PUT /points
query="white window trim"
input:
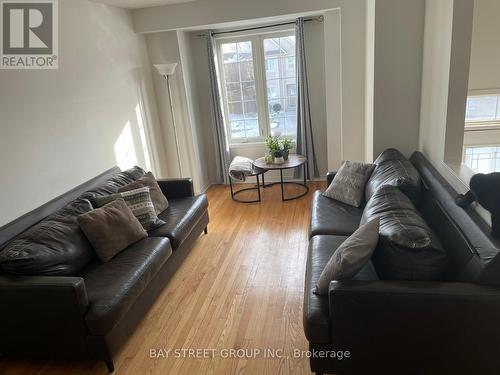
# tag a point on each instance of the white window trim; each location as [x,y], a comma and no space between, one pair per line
[257,40]
[471,126]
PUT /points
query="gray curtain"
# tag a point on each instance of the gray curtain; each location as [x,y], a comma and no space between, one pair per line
[222,147]
[305,141]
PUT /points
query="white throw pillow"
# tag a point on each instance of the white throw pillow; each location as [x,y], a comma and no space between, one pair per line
[348,185]
[350,257]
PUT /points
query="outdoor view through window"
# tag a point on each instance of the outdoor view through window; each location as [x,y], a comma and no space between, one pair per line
[259,86]
[482,133]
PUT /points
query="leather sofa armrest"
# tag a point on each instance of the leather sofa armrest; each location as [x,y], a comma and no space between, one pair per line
[43,316]
[329,177]
[176,187]
[421,317]
[42,293]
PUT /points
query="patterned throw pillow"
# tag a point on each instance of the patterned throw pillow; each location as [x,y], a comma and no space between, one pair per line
[348,185]
[139,201]
[159,200]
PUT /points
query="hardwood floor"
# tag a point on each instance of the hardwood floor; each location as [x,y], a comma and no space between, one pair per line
[240,288]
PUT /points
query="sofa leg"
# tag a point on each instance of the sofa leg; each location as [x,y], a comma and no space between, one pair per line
[205,230]
[110,365]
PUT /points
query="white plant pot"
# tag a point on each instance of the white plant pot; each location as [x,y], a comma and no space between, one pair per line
[279,160]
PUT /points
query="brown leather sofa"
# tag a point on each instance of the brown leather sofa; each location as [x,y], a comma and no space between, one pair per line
[407,327]
[88,315]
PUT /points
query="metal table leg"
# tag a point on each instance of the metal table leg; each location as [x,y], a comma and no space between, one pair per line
[282,185]
[235,193]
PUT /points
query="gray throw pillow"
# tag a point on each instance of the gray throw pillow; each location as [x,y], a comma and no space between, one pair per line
[159,200]
[350,257]
[139,201]
[348,185]
[111,229]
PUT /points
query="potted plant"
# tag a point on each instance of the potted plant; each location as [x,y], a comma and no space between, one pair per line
[278,157]
[279,149]
[274,146]
[286,146]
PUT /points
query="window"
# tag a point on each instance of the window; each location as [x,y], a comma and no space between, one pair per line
[483,159]
[259,87]
[482,111]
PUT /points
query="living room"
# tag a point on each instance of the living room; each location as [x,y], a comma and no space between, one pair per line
[249,187]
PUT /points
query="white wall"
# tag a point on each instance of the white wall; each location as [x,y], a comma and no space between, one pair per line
[448,29]
[59,128]
[485,51]
[163,48]
[210,13]
[399,30]
[435,78]
[370,78]
[345,37]
[175,47]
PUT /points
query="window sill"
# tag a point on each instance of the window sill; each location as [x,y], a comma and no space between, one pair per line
[246,145]
[462,175]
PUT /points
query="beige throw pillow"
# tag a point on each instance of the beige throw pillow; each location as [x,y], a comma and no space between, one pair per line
[348,185]
[350,257]
[160,202]
[111,228]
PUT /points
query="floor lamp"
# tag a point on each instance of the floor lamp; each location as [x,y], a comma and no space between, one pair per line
[166,70]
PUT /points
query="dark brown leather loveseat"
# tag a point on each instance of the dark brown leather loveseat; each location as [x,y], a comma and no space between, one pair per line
[407,327]
[88,315]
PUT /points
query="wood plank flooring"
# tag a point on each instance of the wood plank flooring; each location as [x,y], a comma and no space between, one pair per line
[240,288]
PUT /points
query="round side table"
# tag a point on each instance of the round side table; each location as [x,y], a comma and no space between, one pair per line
[294,161]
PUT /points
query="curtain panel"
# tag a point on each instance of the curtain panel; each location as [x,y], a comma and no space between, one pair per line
[305,141]
[217,114]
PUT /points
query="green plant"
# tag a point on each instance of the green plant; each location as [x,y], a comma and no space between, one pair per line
[279,147]
[286,144]
[273,144]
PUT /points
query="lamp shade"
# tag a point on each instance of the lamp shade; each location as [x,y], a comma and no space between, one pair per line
[166,69]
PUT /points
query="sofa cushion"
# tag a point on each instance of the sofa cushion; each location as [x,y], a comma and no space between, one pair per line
[316,307]
[329,216]
[180,218]
[408,249]
[113,287]
[393,168]
[114,183]
[54,246]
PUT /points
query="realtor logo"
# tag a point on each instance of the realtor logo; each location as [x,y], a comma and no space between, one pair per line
[29,34]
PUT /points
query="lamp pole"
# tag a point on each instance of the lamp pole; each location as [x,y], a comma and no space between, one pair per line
[167,70]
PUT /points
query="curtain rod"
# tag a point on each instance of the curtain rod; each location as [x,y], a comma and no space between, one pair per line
[318,18]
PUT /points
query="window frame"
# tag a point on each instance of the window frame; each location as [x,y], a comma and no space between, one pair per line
[472,125]
[259,67]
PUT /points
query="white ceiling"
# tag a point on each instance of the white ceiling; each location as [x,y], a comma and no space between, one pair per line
[134,4]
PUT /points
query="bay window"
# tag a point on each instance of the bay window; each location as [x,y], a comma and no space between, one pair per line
[259,89]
